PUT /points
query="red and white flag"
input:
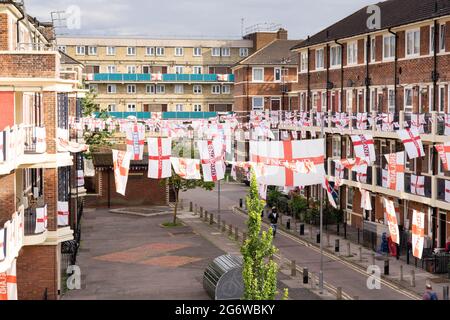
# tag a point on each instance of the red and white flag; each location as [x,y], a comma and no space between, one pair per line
[41,144]
[330,192]
[391,217]
[41,220]
[384,178]
[3,287]
[366,202]
[188,169]
[282,158]
[361,121]
[136,140]
[396,170]
[2,148]
[63,213]
[417,122]
[444,153]
[156,77]
[418,233]
[80,178]
[418,185]
[447,124]
[447,191]
[159,153]
[2,244]
[412,142]
[388,122]
[338,174]
[212,158]
[11,281]
[364,147]
[222,77]
[262,190]
[121,160]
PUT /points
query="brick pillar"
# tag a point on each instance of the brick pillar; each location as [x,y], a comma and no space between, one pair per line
[51,197]
[37,270]
[49,103]
[4,41]
[7,197]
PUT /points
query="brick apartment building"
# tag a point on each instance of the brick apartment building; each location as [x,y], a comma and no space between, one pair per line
[39,184]
[402,68]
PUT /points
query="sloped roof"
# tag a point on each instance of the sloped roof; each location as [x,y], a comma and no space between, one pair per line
[393,13]
[66,59]
[274,54]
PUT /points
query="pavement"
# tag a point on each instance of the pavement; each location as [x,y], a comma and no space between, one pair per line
[130,256]
[342,270]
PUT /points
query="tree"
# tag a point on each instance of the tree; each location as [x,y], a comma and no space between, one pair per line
[259,270]
[94,139]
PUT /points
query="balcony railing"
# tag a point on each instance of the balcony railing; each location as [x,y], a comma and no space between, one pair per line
[164,115]
[426,187]
[166,77]
[35,139]
[36,47]
[31,221]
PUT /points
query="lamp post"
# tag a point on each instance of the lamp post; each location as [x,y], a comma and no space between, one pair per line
[322,129]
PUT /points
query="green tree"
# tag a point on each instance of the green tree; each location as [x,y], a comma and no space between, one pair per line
[94,139]
[259,270]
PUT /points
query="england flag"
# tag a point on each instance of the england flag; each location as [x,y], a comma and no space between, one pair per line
[212,158]
[159,153]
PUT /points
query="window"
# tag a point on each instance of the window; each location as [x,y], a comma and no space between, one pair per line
[373,100]
[160,51]
[150,89]
[62,48]
[93,88]
[349,99]
[337,147]
[111,88]
[277,74]
[319,59]
[215,52]
[389,47]
[131,69]
[304,62]
[179,52]
[160,88]
[349,198]
[131,51]
[197,89]
[179,107]
[373,49]
[179,69]
[111,69]
[197,107]
[131,88]
[226,52]
[336,55]
[215,89]
[408,99]
[258,74]
[197,52]
[131,107]
[442,37]
[441,99]
[412,43]
[352,53]
[197,70]
[324,101]
[179,88]
[391,100]
[431,39]
[243,52]
[258,103]
[226,89]
[111,51]
[150,51]
[111,107]
[81,50]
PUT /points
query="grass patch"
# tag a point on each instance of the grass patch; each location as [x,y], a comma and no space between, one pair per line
[171,224]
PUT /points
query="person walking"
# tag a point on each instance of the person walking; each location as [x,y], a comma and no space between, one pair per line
[273,217]
[429,293]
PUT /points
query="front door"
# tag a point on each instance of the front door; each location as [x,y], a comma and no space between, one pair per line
[276,104]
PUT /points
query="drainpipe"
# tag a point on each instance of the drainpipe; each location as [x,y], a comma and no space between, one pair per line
[395,70]
[342,72]
[308,94]
[435,77]
[246,90]
[17,27]
[327,90]
[368,80]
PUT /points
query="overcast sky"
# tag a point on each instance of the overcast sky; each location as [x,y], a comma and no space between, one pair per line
[197,18]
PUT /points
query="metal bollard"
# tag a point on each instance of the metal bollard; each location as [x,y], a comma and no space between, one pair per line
[224,226]
[236,234]
[328,240]
[293,268]
[360,253]
[195,209]
[241,202]
[358,236]
[190,206]
[305,275]
[318,238]
[302,229]
[218,221]
[445,293]
[401,272]
[413,278]
[349,253]
[386,267]
[211,219]
[336,245]
[230,230]
[310,232]
[201,212]
[373,258]
[288,224]
[206,216]
[339,293]
[313,282]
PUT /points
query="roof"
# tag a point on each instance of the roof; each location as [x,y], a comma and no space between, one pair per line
[106,160]
[394,13]
[66,59]
[273,54]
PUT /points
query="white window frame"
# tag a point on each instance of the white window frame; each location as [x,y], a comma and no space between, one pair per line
[179,52]
[441,106]
[349,205]
[407,107]
[113,88]
[133,87]
[225,51]
[160,89]
[179,107]
[431,39]
[110,51]
[243,52]
[215,89]
[160,51]
[442,32]
[131,51]
[133,108]
[197,89]
[253,74]
[415,33]
[111,68]
[257,108]
[179,68]
[320,66]
[178,89]
[304,62]
[150,89]
[352,53]
[149,51]
[80,50]
[111,107]
[390,57]
[197,107]
[195,53]
[215,52]
[195,70]
[373,49]
[226,91]
[275,74]
[391,107]
[335,56]
[131,68]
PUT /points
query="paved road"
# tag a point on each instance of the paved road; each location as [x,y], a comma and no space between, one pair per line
[336,272]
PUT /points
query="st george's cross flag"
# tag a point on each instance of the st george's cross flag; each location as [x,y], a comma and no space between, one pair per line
[412,142]
[444,153]
[2,244]
[396,170]
[331,192]
[11,281]
[63,213]
[135,140]
[418,185]
[361,121]
[188,169]
[159,153]
[366,202]
[281,158]
[418,233]
[364,147]
[447,191]
[391,217]
[121,161]
[338,174]
[41,219]
[212,159]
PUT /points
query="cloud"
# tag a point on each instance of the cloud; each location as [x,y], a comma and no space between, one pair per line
[197,18]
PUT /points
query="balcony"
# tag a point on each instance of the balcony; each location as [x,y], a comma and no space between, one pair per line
[36,47]
[164,115]
[35,140]
[167,77]
[33,224]
[426,187]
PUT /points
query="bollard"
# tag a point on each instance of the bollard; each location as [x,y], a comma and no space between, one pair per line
[218,221]
[288,224]
[445,293]
[401,272]
[310,232]
[230,230]
[358,235]
[386,267]
[293,268]
[328,240]
[313,282]
[373,258]
[348,250]
[181,205]
[236,234]
[224,226]
[195,209]
[302,229]
[318,238]
[240,203]
[336,245]
[360,253]
[190,206]
[339,293]
[413,278]
[305,275]
[206,216]
[211,219]
[201,212]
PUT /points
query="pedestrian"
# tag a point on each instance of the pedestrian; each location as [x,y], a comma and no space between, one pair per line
[273,217]
[429,293]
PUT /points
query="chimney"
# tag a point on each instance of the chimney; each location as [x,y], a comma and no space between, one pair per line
[282,34]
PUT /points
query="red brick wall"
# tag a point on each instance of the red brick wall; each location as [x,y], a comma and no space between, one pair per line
[51,197]
[36,271]
[4,31]
[36,65]
[6,109]
[7,197]
[50,119]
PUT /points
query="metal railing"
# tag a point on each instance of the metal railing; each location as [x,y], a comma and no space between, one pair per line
[165,77]
[36,47]
[30,222]
[34,139]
